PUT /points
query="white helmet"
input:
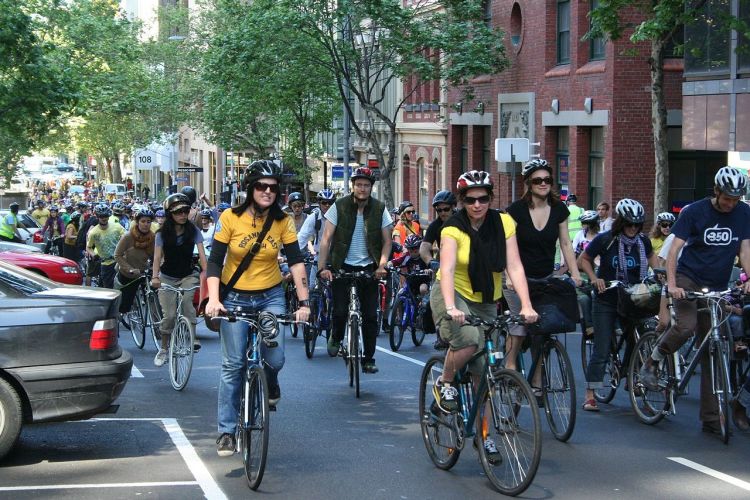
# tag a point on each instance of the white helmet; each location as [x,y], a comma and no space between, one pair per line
[665,217]
[631,211]
[473,179]
[589,216]
[534,165]
[731,181]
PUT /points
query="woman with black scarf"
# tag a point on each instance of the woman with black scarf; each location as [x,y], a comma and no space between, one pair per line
[476,245]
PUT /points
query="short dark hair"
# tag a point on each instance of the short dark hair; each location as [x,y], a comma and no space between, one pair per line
[604,203]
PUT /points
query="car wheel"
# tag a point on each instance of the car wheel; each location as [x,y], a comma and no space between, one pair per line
[11,417]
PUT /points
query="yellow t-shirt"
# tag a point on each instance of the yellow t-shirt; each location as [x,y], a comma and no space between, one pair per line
[462,283]
[657,244]
[240,233]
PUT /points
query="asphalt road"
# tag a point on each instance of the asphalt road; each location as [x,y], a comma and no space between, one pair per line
[325,444]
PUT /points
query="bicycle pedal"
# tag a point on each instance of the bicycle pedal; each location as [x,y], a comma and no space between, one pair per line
[271,343]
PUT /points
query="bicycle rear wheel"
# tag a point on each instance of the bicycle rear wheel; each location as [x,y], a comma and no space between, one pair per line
[181,353]
[437,430]
[649,406]
[137,320]
[254,426]
[509,416]
[721,387]
[417,334]
[559,390]
[397,324]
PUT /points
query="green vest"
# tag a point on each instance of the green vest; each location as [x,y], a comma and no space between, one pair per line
[346,212]
[574,225]
[6,229]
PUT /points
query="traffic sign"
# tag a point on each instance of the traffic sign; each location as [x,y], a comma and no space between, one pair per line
[512,149]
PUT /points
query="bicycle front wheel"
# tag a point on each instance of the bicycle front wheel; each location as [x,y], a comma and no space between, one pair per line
[356,353]
[397,325]
[254,426]
[611,379]
[154,316]
[137,320]
[649,406]
[559,390]
[310,335]
[508,431]
[181,353]
[438,432]
[721,387]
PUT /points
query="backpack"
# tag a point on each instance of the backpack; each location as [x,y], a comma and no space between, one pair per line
[318,225]
[83,233]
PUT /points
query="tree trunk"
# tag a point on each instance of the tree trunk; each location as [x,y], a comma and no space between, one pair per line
[659,123]
[305,171]
[116,171]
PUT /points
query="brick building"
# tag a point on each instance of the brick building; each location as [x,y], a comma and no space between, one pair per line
[587,103]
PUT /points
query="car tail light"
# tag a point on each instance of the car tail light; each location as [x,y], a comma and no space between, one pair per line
[103,335]
[38,238]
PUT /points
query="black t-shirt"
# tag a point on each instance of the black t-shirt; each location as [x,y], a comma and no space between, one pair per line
[432,234]
[537,248]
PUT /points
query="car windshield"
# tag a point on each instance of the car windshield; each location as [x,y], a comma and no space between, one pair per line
[23,280]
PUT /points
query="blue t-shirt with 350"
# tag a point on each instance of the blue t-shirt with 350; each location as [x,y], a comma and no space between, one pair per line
[712,241]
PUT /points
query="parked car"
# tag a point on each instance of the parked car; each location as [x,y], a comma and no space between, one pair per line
[119,190]
[8,246]
[55,268]
[29,230]
[60,358]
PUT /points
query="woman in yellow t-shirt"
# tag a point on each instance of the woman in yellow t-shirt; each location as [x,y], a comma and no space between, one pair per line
[257,289]
[660,231]
[476,245]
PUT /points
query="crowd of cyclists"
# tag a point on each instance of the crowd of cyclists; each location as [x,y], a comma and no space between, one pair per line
[469,260]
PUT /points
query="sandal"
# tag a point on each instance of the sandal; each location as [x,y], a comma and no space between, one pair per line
[590,405]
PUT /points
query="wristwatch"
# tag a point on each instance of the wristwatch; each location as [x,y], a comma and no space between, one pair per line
[304,303]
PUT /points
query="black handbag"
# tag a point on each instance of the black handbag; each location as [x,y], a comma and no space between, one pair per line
[556,302]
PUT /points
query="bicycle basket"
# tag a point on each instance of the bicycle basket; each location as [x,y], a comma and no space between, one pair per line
[639,300]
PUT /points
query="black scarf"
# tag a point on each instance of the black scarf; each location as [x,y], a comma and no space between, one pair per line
[486,252]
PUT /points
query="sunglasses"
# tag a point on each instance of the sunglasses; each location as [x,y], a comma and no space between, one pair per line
[262,187]
[443,210]
[182,211]
[483,200]
[409,211]
[632,224]
[665,224]
[537,181]
[325,203]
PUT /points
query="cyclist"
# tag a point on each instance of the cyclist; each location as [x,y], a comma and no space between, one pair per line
[624,254]
[296,203]
[70,250]
[173,265]
[9,225]
[575,212]
[207,228]
[102,240]
[444,204]
[118,210]
[411,262]
[257,289]
[661,230]
[406,224]
[133,252]
[40,214]
[357,236]
[312,230]
[53,229]
[67,213]
[477,244]
[710,233]
[159,217]
[590,223]
[541,222]
[192,196]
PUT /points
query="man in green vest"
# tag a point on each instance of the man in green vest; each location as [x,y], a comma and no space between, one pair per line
[9,225]
[357,235]
[574,224]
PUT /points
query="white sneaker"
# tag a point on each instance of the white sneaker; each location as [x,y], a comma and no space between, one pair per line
[161,357]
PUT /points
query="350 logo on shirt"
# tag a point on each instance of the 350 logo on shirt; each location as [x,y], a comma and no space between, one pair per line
[718,236]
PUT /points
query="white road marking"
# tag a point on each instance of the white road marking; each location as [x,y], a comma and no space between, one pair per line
[98,485]
[136,373]
[400,356]
[711,472]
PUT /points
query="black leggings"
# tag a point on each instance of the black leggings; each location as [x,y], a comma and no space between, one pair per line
[130,287]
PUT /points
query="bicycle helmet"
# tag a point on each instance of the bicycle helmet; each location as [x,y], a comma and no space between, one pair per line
[190,192]
[474,179]
[117,208]
[444,196]
[54,208]
[144,212]
[69,207]
[223,206]
[296,196]
[327,195]
[631,211]
[731,181]
[572,198]
[362,173]
[175,202]
[75,216]
[413,241]
[102,210]
[394,211]
[260,169]
[589,216]
[404,205]
[533,166]
[81,205]
[665,217]
[206,214]
[14,207]
[159,213]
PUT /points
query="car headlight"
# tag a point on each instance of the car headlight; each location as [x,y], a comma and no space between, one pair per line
[70,270]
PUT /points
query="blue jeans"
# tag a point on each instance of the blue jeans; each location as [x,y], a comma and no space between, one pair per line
[604,317]
[234,338]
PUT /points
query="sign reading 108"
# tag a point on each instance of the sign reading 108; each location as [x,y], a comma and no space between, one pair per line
[144,159]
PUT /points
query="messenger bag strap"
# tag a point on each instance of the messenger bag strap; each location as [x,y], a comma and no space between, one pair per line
[247,259]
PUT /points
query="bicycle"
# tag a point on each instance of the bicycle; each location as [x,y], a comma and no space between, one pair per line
[253,418]
[320,315]
[181,342]
[145,313]
[651,406]
[406,314]
[352,345]
[503,408]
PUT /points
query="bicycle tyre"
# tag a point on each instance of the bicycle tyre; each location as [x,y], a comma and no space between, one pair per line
[137,321]
[721,387]
[611,378]
[292,307]
[649,407]
[155,317]
[587,348]
[559,390]
[396,331]
[517,432]
[438,435]
[356,353]
[181,353]
[310,335]
[255,427]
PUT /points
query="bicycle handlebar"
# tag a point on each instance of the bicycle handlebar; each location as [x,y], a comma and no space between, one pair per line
[176,289]
[501,320]
[716,295]
[239,315]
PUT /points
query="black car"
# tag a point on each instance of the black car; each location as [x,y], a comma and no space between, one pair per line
[59,352]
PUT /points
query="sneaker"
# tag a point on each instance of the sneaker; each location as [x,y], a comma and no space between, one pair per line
[197,345]
[274,395]
[333,346]
[649,375]
[446,397]
[225,445]
[161,357]
[493,455]
[369,367]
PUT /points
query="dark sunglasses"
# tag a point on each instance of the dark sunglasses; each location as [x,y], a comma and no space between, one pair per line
[665,224]
[326,203]
[262,187]
[470,200]
[633,224]
[537,181]
[182,211]
[409,211]
[443,210]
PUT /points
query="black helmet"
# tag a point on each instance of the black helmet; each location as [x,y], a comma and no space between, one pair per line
[444,196]
[189,191]
[144,212]
[82,205]
[295,197]
[572,198]
[175,202]
[14,207]
[75,216]
[404,205]
[206,213]
[260,169]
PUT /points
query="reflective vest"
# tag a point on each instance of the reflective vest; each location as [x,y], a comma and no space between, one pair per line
[574,225]
[8,230]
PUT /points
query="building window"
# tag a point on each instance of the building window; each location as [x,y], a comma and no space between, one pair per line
[463,160]
[707,41]
[596,166]
[563,31]
[596,45]
[486,148]
[562,155]
[743,42]
[424,195]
